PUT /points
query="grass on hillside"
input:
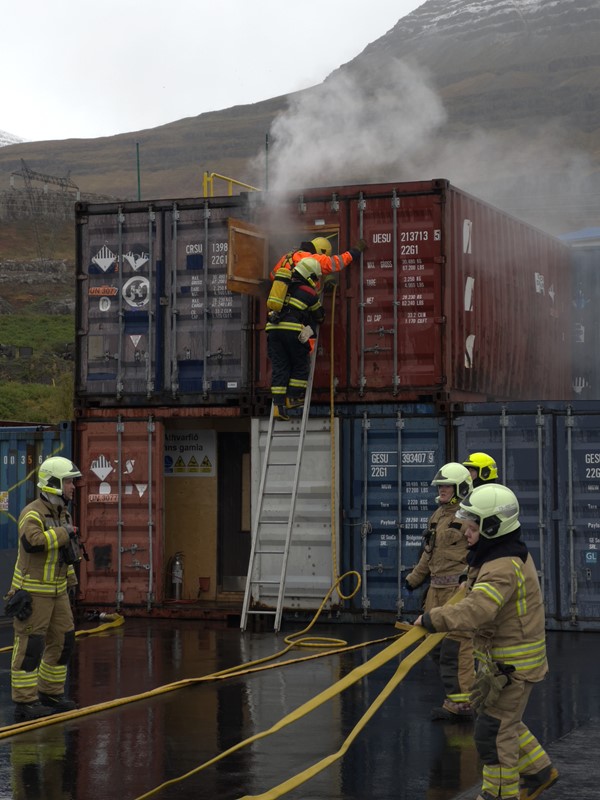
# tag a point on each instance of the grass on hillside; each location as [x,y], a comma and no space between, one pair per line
[40,332]
[36,402]
[20,241]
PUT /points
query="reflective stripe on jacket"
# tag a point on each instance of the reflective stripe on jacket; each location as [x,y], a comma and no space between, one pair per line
[445,556]
[328,264]
[39,568]
[505,609]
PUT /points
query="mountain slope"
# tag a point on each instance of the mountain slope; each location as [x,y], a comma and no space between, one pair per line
[500,96]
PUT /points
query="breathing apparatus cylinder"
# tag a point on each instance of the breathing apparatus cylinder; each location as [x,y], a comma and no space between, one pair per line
[281,282]
[177,576]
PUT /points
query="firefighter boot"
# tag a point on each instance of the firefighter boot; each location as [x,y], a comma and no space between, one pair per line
[26,712]
[294,402]
[453,712]
[533,785]
[279,412]
[56,703]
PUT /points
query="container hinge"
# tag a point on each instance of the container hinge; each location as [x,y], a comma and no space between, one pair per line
[301,205]
[335,203]
[207,212]
[395,200]
[362,203]
[151,214]
[219,354]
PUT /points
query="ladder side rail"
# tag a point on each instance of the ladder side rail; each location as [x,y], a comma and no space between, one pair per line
[256,521]
[296,482]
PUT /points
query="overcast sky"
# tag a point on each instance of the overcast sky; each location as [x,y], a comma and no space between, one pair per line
[82,69]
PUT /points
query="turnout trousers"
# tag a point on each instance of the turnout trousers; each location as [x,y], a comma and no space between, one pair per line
[506,746]
[290,365]
[42,648]
[454,657]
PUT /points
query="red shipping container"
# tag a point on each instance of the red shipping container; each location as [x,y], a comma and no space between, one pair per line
[453,300]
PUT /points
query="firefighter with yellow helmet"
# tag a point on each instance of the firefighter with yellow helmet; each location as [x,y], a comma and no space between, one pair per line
[443,563]
[482,467]
[48,548]
[288,334]
[320,248]
[505,609]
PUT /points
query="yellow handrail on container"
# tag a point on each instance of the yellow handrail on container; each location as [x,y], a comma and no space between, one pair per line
[208,184]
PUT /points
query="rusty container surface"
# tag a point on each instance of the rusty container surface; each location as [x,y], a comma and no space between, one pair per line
[453,300]
[156,322]
[164,506]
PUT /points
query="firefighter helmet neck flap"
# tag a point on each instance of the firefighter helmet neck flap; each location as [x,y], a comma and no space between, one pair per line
[494,508]
[457,476]
[52,472]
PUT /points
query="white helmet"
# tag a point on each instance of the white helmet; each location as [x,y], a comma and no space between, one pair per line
[493,507]
[309,269]
[53,471]
[456,475]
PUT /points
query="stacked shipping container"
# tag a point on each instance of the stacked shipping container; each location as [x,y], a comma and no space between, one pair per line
[452,302]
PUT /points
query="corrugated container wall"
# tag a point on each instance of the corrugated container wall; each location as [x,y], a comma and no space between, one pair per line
[156,323]
[452,301]
[23,449]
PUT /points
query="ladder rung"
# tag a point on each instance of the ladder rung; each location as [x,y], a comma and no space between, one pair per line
[250,611]
[269,552]
[267,583]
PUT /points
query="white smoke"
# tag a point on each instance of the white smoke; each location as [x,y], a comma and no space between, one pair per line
[361,128]
[346,132]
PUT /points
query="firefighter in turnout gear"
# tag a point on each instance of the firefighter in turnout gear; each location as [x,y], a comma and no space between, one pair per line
[443,563]
[44,631]
[482,467]
[288,334]
[320,249]
[505,609]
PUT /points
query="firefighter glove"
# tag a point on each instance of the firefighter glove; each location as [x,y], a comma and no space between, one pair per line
[489,683]
[71,530]
[361,246]
[407,586]
[19,605]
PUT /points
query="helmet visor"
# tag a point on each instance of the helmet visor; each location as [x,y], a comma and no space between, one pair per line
[467,516]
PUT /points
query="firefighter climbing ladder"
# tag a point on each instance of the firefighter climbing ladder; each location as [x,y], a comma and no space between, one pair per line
[265,541]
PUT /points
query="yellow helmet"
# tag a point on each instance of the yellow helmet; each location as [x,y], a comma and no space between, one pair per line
[485,466]
[53,471]
[322,245]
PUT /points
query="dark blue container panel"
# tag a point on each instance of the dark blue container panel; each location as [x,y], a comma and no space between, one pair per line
[22,450]
[521,438]
[389,459]
[120,314]
[578,503]
[208,344]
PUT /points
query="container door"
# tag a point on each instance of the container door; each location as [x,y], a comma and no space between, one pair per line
[247,258]
[207,354]
[22,450]
[578,483]
[397,314]
[523,446]
[120,512]
[313,551]
[119,310]
[389,463]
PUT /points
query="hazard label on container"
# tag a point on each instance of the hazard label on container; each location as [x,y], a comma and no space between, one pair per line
[190,453]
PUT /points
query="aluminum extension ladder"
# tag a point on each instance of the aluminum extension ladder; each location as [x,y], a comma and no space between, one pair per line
[265,526]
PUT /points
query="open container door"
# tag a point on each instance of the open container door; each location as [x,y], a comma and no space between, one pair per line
[248,259]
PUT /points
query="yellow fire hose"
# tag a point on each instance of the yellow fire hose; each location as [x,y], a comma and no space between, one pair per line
[116,621]
[411,637]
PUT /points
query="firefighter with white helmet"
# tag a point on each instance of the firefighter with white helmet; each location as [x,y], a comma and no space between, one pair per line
[505,609]
[38,599]
[443,563]
[482,467]
[288,333]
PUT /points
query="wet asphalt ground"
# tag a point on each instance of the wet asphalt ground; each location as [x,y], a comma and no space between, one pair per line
[122,753]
